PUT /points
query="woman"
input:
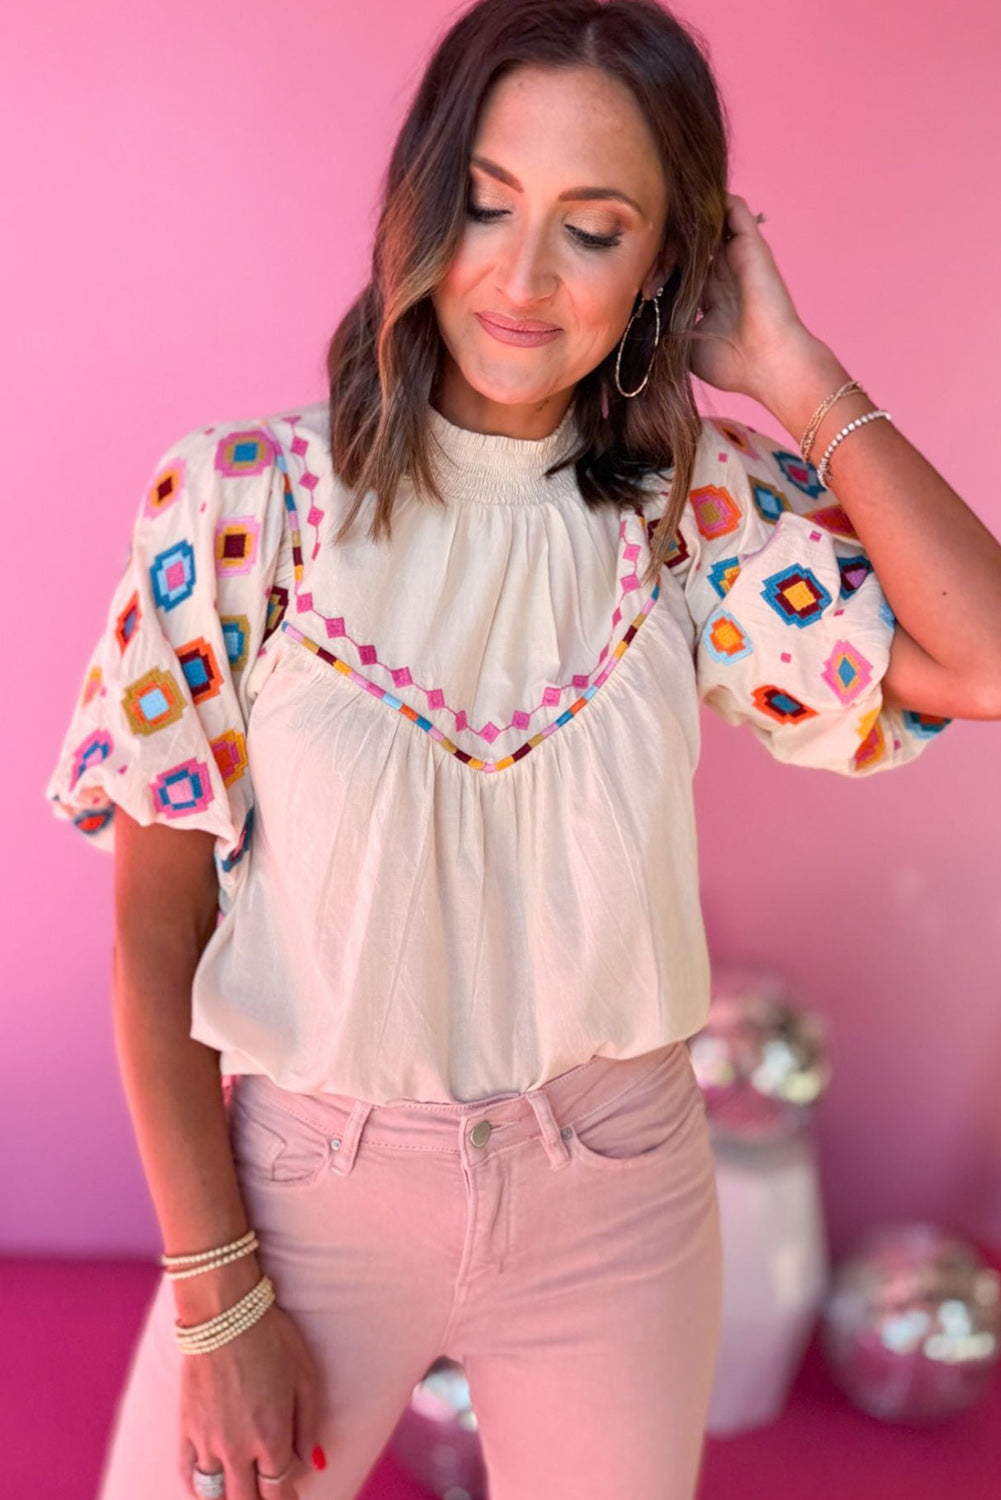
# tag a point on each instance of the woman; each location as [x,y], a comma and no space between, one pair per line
[435,769]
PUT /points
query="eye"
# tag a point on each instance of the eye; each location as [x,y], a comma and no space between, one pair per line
[589,241]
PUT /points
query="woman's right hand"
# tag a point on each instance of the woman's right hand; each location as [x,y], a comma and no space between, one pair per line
[251,1404]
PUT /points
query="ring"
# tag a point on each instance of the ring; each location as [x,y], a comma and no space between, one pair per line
[209,1486]
[276,1478]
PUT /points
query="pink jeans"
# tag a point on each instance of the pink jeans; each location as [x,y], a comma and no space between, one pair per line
[562,1243]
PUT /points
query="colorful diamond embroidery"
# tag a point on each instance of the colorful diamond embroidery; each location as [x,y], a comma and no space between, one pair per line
[90,752]
[242,846]
[769,501]
[236,634]
[241,454]
[872,749]
[833,518]
[802,475]
[184,789]
[924,726]
[152,702]
[277,605]
[715,510]
[735,434]
[230,751]
[723,575]
[780,705]
[93,819]
[93,684]
[165,488]
[853,571]
[796,595]
[201,670]
[172,574]
[128,622]
[236,545]
[847,671]
[723,638]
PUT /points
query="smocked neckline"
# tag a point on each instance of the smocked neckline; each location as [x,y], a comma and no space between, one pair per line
[489,468]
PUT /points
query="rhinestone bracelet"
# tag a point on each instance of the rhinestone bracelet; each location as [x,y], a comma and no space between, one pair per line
[825,462]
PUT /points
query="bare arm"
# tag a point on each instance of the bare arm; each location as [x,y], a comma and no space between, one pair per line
[165,912]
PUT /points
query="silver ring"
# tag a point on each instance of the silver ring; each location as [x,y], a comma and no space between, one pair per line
[208,1486]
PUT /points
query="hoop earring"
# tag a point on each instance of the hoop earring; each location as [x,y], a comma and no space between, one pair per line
[656,341]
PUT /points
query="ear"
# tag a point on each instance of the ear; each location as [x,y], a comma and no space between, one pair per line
[658,277]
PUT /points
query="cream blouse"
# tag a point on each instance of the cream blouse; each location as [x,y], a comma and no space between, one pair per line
[450,775]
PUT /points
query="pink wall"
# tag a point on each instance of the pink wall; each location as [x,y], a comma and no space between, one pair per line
[189,211]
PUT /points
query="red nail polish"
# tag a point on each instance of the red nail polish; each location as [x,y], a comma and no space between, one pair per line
[319,1457]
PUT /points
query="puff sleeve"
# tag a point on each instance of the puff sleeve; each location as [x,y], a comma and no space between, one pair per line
[792,628]
[160,721]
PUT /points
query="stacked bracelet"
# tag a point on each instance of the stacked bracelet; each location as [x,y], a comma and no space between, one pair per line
[201,1337]
[806,442]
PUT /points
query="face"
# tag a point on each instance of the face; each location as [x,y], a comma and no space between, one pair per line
[540,246]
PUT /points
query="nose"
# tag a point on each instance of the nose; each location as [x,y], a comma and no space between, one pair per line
[526,279]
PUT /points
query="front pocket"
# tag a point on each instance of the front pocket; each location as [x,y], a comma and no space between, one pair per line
[284,1151]
[641,1124]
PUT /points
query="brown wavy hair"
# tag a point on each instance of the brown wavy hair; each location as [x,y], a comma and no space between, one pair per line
[383,360]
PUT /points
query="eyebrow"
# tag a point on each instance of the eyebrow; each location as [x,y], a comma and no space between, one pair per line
[573,194]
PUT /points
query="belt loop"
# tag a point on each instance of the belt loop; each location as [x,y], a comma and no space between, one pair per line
[344,1155]
[556,1147]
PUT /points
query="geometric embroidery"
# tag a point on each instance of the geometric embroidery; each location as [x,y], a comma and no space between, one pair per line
[236,634]
[796,595]
[833,518]
[923,726]
[802,475]
[735,434]
[201,670]
[435,733]
[153,701]
[92,684]
[90,752]
[872,749]
[236,545]
[165,488]
[184,789]
[230,751]
[128,622]
[847,671]
[678,552]
[781,705]
[770,502]
[172,574]
[93,819]
[723,638]
[716,512]
[723,575]
[277,605]
[243,843]
[240,454]
[853,571]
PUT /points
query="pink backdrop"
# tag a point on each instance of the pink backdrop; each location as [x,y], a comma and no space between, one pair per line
[189,210]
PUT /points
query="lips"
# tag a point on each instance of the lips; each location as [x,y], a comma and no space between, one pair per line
[524,325]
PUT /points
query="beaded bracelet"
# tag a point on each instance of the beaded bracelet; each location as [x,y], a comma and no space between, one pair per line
[825,462]
[806,441]
[201,1338]
[207,1260]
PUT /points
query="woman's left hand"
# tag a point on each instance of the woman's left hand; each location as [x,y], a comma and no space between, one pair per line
[746,302]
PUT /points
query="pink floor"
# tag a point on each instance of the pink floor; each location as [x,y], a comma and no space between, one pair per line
[68,1328]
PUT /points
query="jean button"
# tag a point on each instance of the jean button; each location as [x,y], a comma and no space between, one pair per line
[566,1132]
[335,1143]
[480,1133]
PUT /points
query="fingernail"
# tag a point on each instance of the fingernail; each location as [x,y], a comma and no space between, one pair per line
[319,1457]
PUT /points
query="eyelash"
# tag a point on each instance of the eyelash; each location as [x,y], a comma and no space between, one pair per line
[589,241]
